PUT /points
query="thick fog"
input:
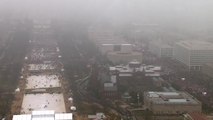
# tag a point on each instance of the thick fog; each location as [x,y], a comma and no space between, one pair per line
[193,14]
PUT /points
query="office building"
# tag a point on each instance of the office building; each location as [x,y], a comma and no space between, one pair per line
[193,53]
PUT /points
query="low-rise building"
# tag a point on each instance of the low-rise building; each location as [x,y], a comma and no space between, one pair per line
[109,87]
[135,66]
[171,103]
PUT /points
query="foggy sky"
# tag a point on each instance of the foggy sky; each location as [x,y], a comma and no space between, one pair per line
[184,12]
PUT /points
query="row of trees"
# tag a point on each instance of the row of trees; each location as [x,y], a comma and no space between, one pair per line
[11,64]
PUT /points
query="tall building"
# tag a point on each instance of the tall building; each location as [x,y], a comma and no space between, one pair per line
[193,53]
[171,103]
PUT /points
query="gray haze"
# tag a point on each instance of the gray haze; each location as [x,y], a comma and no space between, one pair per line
[189,14]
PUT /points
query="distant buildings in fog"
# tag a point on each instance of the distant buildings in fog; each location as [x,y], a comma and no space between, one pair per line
[161,50]
[193,54]
[116,49]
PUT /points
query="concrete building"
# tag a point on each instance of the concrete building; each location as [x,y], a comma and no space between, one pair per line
[44,115]
[161,50]
[135,66]
[171,103]
[193,53]
[108,86]
[208,69]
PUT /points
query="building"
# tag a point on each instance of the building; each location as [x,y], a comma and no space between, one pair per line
[193,53]
[135,66]
[120,52]
[110,90]
[171,103]
[208,69]
[161,50]
[44,115]
[116,48]
[109,87]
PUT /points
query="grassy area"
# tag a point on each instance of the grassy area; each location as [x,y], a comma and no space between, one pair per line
[11,65]
[88,108]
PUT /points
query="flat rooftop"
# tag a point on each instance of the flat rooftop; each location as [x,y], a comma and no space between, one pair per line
[171,98]
[196,45]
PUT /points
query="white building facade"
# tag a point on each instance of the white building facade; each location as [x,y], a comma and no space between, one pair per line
[193,54]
